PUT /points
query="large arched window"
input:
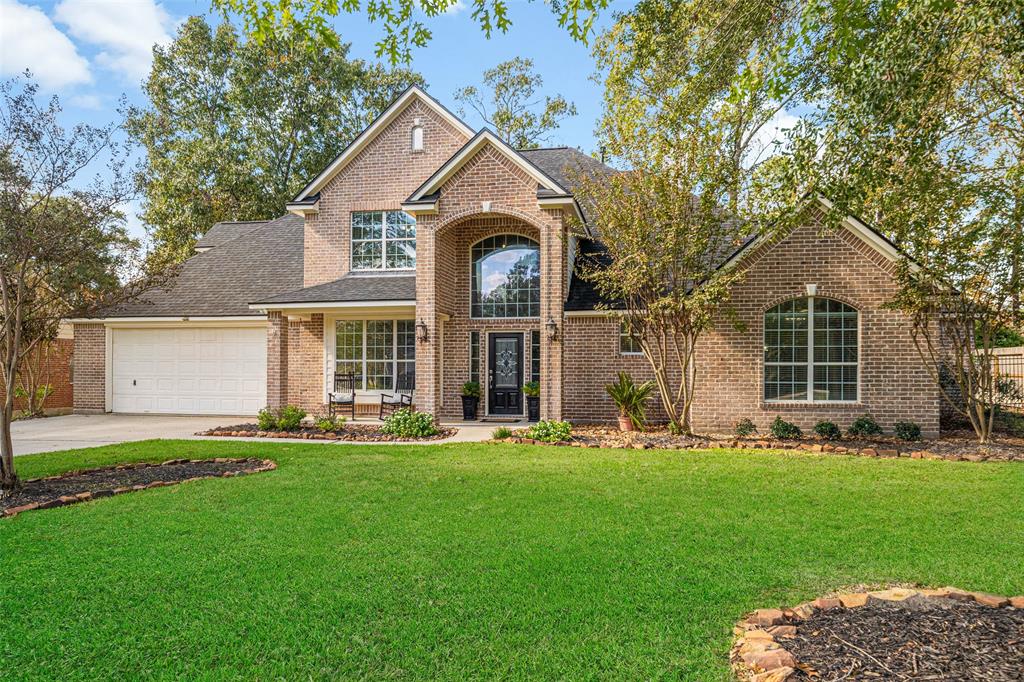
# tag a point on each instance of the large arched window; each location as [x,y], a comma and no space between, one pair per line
[506,277]
[810,351]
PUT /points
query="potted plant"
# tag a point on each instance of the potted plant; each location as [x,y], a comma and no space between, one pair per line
[470,400]
[531,389]
[631,399]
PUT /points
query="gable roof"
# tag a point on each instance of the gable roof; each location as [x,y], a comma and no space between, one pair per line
[411,94]
[225,231]
[221,282]
[569,166]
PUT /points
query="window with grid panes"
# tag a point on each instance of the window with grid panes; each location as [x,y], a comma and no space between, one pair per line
[506,277]
[376,352]
[383,240]
[474,356]
[535,355]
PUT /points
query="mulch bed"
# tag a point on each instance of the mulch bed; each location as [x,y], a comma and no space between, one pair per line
[894,634]
[91,484]
[363,433]
[955,446]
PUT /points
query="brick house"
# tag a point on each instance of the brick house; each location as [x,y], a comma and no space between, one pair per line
[431,254]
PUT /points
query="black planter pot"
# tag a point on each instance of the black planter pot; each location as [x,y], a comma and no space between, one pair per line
[469,405]
[533,408]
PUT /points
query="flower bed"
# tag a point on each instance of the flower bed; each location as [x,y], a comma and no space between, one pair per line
[897,633]
[958,446]
[91,484]
[363,433]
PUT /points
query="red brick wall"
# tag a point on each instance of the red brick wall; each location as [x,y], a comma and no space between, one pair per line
[306,362]
[52,365]
[90,368]
[894,384]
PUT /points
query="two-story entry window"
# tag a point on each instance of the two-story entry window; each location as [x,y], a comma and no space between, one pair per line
[506,277]
[383,240]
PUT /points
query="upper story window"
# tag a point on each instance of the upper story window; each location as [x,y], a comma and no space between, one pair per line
[383,240]
[417,138]
[506,277]
[811,351]
[628,344]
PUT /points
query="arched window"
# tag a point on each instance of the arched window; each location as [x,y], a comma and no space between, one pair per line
[810,351]
[506,277]
[417,138]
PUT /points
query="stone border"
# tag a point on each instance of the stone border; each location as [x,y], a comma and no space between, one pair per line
[758,654]
[64,500]
[329,436]
[710,444]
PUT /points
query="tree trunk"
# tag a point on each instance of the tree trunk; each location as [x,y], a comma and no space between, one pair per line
[8,478]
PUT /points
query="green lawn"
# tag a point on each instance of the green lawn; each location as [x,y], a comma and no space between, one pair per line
[474,561]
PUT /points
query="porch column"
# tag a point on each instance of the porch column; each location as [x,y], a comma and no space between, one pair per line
[277,359]
[553,283]
[425,395]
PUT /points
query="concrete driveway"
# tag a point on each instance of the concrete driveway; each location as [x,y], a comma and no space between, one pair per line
[90,430]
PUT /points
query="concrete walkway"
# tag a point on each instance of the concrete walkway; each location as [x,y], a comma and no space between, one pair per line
[91,430]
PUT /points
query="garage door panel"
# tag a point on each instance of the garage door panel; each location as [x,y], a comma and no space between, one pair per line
[189,371]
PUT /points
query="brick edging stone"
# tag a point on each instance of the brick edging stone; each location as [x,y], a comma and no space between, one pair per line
[758,653]
[85,496]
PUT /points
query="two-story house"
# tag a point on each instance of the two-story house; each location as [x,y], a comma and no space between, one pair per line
[431,254]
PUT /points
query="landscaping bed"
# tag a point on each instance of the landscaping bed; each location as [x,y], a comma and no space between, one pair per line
[946,634]
[90,484]
[956,446]
[364,433]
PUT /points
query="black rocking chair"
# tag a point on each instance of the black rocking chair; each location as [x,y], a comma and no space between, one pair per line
[344,396]
[402,397]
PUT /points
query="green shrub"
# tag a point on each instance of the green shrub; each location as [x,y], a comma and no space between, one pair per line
[501,433]
[744,428]
[1010,422]
[827,430]
[290,418]
[531,389]
[329,423]
[631,398]
[405,423]
[864,426]
[783,429]
[907,431]
[471,389]
[266,419]
[550,431]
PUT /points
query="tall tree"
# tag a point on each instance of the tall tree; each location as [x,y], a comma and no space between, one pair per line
[62,239]
[234,128]
[513,105]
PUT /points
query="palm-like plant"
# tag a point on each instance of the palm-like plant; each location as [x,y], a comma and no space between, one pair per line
[631,398]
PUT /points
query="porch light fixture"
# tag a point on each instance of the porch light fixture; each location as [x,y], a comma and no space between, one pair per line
[552,328]
[421,330]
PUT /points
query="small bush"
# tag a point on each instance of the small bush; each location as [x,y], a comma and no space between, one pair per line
[266,419]
[405,423]
[1010,422]
[501,433]
[550,431]
[827,430]
[531,389]
[471,389]
[328,423]
[784,430]
[290,417]
[864,426]
[907,431]
[744,428]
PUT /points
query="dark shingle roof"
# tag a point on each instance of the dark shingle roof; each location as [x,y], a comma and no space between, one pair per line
[565,165]
[352,287]
[223,281]
[223,232]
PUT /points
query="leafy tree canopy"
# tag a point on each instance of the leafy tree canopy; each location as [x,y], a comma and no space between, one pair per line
[514,107]
[234,128]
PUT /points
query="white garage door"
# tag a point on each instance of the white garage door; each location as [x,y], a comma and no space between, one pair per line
[189,370]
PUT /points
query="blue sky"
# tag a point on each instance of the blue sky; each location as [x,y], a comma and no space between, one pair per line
[91,52]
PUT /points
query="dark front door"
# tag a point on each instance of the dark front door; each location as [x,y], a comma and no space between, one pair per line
[505,374]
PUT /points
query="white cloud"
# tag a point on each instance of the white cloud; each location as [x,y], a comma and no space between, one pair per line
[771,138]
[125,32]
[29,40]
[86,102]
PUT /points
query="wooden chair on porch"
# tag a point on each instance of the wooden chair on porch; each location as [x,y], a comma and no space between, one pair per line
[343,398]
[402,397]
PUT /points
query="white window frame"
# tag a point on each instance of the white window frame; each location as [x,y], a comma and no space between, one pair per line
[624,335]
[395,361]
[383,241]
[810,358]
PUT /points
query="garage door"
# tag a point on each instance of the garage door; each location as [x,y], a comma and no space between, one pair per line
[189,370]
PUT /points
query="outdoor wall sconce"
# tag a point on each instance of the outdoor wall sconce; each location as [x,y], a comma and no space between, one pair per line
[552,328]
[421,330]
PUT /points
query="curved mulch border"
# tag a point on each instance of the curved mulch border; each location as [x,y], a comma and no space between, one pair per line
[358,433]
[104,481]
[759,653]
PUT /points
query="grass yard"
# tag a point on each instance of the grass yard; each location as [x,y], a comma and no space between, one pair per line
[474,561]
